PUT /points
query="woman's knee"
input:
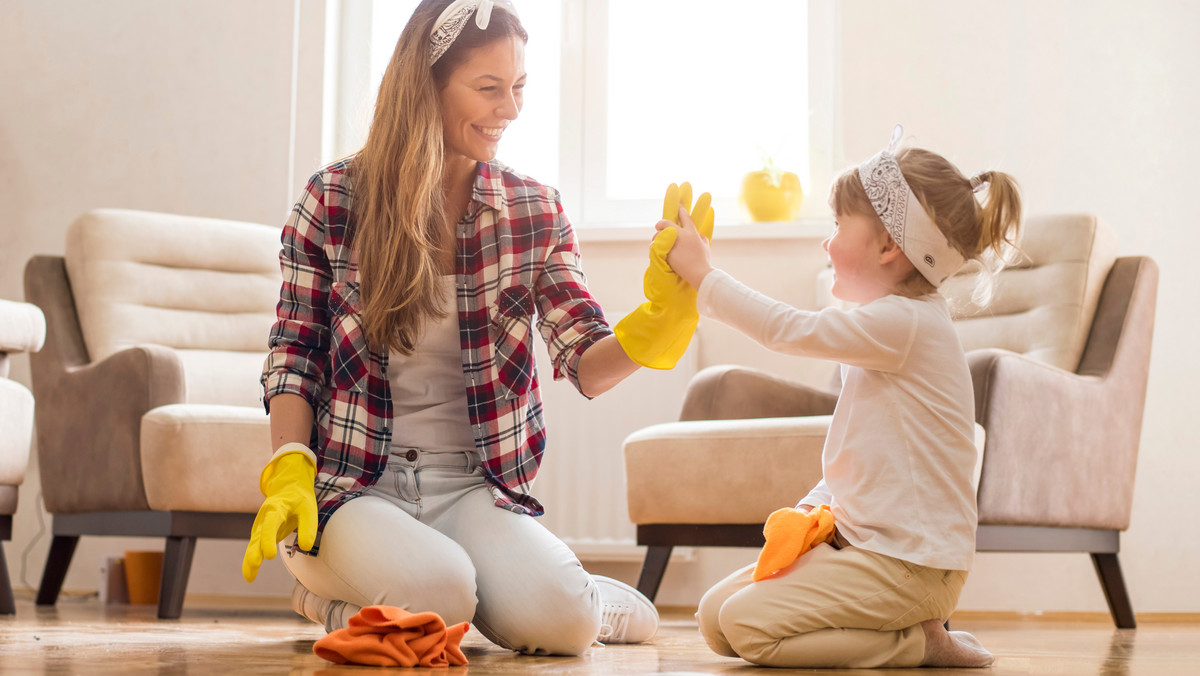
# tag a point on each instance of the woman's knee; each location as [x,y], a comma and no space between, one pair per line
[375,554]
[447,589]
[561,617]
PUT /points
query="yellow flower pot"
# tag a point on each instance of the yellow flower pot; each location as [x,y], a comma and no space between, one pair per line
[772,196]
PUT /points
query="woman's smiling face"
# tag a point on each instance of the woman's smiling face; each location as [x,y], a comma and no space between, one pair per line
[481,97]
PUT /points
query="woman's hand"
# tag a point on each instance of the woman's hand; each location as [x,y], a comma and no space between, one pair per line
[657,333]
[689,251]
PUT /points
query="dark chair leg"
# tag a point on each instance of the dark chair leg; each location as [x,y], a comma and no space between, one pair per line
[7,604]
[62,548]
[1108,569]
[177,565]
[653,568]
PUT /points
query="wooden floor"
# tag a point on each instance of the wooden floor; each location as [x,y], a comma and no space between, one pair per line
[239,636]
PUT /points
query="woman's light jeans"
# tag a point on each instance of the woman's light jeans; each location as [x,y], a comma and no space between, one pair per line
[428,537]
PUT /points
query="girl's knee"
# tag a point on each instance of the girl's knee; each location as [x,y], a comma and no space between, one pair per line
[741,626]
[708,619]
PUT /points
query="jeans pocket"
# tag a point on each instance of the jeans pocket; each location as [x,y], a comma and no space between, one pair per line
[404,481]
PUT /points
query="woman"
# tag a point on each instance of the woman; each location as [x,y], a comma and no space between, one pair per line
[400,381]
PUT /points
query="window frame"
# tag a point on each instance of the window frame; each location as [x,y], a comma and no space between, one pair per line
[583,164]
[583,110]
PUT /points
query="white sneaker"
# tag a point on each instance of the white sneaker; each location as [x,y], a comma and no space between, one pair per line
[626,615]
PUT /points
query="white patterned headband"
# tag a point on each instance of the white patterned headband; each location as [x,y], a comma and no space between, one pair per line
[905,219]
[453,19]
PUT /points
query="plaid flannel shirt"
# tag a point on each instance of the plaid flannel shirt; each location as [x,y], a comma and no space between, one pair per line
[517,257]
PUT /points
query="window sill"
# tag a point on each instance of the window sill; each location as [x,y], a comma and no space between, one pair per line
[808,228]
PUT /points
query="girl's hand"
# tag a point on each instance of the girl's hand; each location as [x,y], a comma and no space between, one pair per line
[689,256]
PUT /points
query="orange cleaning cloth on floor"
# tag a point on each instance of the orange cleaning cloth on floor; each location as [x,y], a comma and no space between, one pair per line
[386,636]
[790,533]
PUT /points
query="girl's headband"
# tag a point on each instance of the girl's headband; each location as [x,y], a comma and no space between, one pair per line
[452,20]
[905,219]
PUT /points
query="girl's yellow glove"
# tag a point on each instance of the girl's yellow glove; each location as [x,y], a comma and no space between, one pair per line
[290,505]
[657,333]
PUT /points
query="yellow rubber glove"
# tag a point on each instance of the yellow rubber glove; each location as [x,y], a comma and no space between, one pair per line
[657,333]
[290,505]
[790,534]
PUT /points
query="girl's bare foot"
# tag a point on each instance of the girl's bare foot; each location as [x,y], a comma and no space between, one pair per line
[952,648]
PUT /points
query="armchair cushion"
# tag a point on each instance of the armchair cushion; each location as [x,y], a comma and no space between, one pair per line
[204,287]
[727,471]
[16,432]
[777,459]
[204,458]
[22,329]
[1043,305]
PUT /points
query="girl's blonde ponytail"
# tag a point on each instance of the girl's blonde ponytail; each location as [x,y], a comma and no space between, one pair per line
[1000,214]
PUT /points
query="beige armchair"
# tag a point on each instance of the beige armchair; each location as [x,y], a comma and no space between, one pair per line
[22,329]
[1059,361]
[149,416]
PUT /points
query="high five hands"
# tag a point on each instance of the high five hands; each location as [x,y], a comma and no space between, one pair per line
[657,333]
[683,238]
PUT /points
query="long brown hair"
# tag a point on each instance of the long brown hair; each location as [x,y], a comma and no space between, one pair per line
[986,232]
[398,199]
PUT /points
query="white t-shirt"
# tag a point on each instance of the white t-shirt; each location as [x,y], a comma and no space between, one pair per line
[900,455]
[429,392]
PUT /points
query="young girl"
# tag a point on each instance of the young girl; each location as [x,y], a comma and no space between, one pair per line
[899,457]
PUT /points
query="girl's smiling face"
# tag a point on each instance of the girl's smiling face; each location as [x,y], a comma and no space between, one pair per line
[481,97]
[855,249]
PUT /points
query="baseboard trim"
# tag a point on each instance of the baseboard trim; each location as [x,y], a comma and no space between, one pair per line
[1069,616]
[1017,616]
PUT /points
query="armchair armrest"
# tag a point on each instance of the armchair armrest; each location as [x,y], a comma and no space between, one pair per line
[675,471]
[1061,447]
[103,443]
[113,393]
[737,392]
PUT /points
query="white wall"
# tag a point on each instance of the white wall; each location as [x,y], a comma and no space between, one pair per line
[185,107]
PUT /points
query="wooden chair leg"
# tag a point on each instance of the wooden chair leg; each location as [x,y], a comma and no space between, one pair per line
[653,569]
[7,603]
[62,548]
[177,565]
[1108,569]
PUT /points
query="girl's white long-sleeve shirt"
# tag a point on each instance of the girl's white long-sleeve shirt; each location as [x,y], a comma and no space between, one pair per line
[900,455]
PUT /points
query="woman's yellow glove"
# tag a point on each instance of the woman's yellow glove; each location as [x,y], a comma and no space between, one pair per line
[657,333]
[291,505]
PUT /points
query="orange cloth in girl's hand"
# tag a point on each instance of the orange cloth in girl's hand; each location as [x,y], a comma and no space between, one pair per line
[386,636]
[790,533]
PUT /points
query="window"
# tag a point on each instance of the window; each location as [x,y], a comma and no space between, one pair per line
[626,96]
